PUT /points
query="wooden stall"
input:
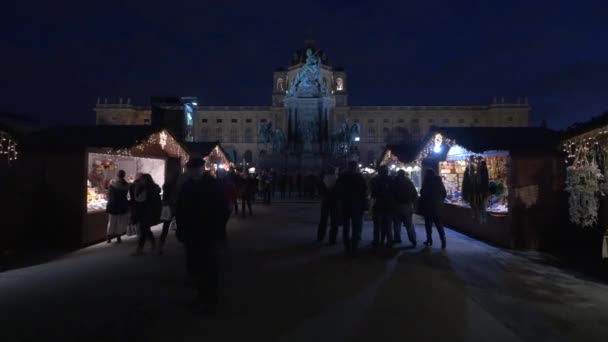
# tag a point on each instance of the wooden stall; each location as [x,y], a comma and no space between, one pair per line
[502,183]
[70,169]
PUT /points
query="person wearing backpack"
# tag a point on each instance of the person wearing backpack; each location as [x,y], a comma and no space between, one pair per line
[405,198]
[384,201]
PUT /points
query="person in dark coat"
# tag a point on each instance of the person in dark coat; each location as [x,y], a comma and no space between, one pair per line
[118,207]
[384,202]
[200,212]
[351,191]
[148,205]
[329,204]
[405,200]
[432,196]
[168,210]
[248,193]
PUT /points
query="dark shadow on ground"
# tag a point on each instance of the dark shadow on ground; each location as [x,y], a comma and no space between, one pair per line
[415,308]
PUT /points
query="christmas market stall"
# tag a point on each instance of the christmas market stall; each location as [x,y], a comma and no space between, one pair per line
[501,183]
[73,166]
[212,152]
[586,148]
[403,157]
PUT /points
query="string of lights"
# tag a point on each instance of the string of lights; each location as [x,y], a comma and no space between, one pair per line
[587,143]
[8,147]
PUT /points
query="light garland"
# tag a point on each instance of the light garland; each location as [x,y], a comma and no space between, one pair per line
[163,139]
[8,147]
[431,147]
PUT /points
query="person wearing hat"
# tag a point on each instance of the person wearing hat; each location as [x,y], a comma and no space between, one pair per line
[200,211]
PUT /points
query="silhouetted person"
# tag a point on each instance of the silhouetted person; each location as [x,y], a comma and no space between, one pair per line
[200,212]
[329,207]
[149,206]
[117,207]
[230,194]
[384,204]
[405,197]
[352,196]
[432,195]
[248,193]
[169,190]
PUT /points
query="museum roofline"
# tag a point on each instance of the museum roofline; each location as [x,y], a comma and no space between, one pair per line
[478,107]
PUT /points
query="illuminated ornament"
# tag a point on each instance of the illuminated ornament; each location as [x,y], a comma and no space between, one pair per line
[163,139]
[438,142]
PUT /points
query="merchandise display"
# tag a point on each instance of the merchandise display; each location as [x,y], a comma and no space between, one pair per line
[583,185]
[104,167]
[477,182]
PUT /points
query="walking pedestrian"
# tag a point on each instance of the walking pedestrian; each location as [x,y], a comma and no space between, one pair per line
[432,196]
[149,205]
[405,197]
[383,195]
[168,210]
[117,207]
[352,197]
[230,196]
[329,203]
[248,193]
[200,211]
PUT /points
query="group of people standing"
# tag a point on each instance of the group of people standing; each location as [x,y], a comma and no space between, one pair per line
[136,204]
[392,199]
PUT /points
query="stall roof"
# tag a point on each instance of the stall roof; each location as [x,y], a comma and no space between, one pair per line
[513,139]
[580,128]
[76,138]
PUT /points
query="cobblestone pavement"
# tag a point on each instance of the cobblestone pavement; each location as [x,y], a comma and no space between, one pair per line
[279,285]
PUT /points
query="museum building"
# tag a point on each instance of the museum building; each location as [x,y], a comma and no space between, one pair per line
[239,128]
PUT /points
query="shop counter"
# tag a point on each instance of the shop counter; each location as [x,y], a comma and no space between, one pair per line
[496,230]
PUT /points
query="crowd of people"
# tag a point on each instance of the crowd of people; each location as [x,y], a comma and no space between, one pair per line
[391,199]
[199,203]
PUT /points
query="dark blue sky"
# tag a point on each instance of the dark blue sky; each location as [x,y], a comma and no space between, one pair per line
[58,57]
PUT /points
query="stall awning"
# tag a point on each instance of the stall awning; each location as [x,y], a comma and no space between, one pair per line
[483,139]
[113,138]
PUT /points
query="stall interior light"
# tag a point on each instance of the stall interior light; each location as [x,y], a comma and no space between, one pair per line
[357,139]
[437,149]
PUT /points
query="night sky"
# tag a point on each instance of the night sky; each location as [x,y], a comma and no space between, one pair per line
[58,57]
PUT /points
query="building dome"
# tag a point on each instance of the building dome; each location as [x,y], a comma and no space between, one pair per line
[299,56]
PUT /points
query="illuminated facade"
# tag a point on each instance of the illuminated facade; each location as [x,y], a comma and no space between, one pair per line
[238,127]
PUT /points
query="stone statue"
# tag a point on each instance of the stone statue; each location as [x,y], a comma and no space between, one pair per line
[308,81]
[278,141]
[265,133]
[307,135]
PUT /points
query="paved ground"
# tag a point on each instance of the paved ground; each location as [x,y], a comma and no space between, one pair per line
[280,286]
